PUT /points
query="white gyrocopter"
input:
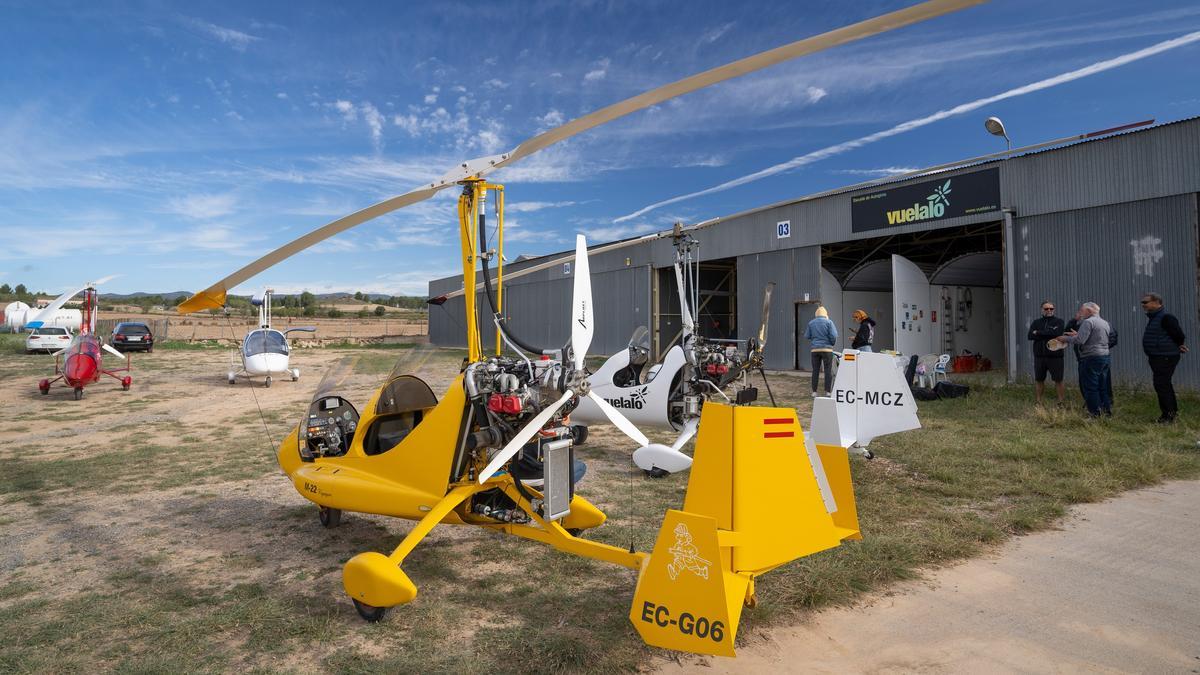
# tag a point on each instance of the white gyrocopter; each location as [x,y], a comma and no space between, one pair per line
[265,351]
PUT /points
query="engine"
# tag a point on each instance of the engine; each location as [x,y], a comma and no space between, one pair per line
[507,392]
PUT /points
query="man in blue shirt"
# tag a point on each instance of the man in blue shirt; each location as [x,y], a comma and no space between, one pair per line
[823,335]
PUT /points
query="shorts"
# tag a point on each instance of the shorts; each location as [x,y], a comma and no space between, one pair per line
[1048,364]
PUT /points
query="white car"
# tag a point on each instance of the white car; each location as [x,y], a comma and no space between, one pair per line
[47,339]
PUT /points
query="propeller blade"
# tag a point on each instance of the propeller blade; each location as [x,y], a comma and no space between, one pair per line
[523,436]
[582,326]
[48,311]
[213,297]
[766,314]
[619,420]
[111,350]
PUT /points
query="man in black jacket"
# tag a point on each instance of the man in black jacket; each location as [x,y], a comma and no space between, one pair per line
[1163,343]
[1045,360]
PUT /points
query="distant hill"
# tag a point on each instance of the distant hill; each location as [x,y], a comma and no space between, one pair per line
[134,296]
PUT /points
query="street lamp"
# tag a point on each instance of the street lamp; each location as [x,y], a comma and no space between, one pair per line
[996,128]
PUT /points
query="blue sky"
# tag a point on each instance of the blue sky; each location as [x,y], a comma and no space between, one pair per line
[174,142]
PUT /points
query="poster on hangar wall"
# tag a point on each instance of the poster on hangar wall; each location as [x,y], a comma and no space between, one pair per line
[930,201]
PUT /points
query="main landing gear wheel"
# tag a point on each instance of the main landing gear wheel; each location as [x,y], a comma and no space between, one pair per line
[78,393]
[331,518]
[370,612]
[295,374]
[268,381]
[232,378]
[656,473]
[125,382]
[44,387]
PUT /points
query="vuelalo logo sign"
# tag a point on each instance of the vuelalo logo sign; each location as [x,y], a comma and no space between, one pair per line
[634,401]
[934,207]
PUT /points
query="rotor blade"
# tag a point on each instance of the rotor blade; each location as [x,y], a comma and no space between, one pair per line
[523,436]
[47,313]
[750,64]
[619,420]
[111,350]
[766,314]
[582,327]
[213,297]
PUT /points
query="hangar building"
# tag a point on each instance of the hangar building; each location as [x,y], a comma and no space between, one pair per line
[953,261]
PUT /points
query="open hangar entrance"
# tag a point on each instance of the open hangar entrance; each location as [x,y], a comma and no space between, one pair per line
[716,304]
[938,291]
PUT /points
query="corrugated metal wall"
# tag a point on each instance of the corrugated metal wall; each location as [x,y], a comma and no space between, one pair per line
[1110,255]
[539,307]
[795,272]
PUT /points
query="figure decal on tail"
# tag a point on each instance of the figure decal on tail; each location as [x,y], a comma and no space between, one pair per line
[687,556]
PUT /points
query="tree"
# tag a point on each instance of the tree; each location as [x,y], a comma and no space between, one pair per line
[21,290]
[179,300]
[358,295]
[310,310]
[307,300]
[335,313]
[6,290]
[380,310]
[363,313]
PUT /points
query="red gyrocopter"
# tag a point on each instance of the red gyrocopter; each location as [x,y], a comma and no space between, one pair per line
[81,362]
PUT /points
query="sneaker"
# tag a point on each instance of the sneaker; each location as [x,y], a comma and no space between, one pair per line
[814,394]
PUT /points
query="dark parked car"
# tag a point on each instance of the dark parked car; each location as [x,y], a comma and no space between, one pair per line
[130,336]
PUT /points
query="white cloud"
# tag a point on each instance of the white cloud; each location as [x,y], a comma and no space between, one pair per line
[281,96]
[374,121]
[551,119]
[203,206]
[815,94]
[617,232]
[715,34]
[430,99]
[883,171]
[528,207]
[234,38]
[496,83]
[347,109]
[598,72]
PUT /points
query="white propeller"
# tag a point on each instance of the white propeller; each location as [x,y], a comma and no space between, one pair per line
[40,318]
[110,349]
[213,297]
[582,330]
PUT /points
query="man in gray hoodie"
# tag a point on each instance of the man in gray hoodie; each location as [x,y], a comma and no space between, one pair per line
[1092,339]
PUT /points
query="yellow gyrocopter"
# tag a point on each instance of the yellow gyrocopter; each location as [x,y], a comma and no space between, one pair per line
[496,450]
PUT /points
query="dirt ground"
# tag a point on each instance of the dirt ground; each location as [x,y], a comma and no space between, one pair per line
[171,490]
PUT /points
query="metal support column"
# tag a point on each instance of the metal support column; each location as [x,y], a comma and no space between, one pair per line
[1010,296]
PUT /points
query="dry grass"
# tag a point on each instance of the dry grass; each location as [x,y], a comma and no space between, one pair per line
[150,530]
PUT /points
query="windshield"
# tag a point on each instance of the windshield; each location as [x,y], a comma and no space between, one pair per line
[265,342]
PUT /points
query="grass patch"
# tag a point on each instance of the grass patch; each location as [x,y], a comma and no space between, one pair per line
[370,345]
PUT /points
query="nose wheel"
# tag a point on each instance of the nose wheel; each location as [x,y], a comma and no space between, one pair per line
[330,517]
[268,382]
[78,393]
[370,612]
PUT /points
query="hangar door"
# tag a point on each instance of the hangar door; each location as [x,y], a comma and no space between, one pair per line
[910,300]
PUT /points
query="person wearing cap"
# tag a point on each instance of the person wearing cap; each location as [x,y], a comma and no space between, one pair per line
[865,334]
[823,335]
[1047,361]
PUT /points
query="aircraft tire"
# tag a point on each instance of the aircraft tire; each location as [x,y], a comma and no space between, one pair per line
[78,393]
[268,383]
[330,517]
[369,612]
